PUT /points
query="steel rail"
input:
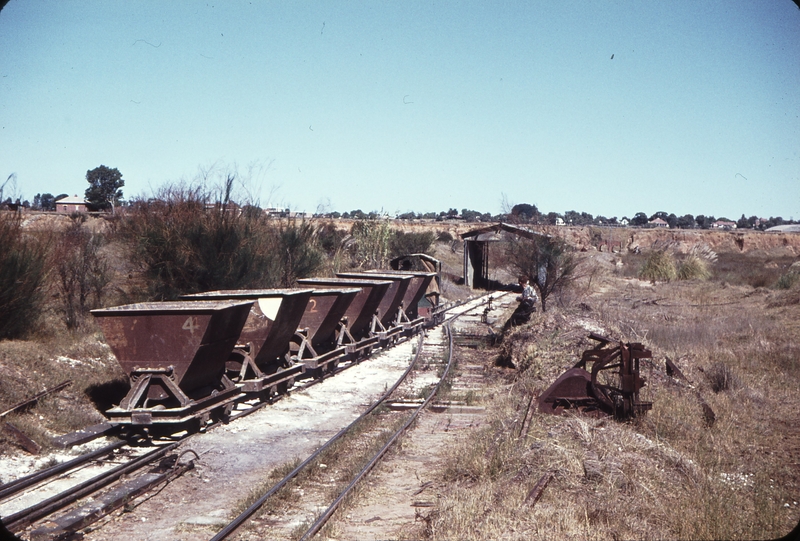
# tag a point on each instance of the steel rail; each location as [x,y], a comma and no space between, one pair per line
[300,387]
[25,517]
[242,518]
[247,513]
[22,519]
[17,485]
[324,517]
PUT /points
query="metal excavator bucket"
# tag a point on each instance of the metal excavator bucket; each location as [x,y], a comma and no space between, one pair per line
[605,381]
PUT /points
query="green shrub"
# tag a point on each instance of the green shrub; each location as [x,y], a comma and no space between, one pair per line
[403,243]
[694,268]
[23,271]
[659,266]
[371,243]
[186,246]
[788,280]
[298,255]
[444,236]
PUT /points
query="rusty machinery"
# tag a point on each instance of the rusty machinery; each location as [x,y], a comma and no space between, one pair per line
[610,385]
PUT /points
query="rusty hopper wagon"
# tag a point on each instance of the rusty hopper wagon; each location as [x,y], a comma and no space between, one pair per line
[261,363]
[416,289]
[174,354]
[315,343]
[356,336]
[389,323]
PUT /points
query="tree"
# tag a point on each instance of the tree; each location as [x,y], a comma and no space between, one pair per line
[104,189]
[81,273]
[704,221]
[672,220]
[525,212]
[686,222]
[552,218]
[547,261]
[640,218]
[743,223]
[470,215]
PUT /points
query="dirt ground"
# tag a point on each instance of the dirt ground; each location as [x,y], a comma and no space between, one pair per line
[195,505]
[403,488]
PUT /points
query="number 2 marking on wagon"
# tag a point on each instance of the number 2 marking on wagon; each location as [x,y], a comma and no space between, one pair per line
[190,325]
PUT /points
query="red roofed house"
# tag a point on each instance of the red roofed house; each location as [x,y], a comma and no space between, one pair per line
[658,222]
[68,205]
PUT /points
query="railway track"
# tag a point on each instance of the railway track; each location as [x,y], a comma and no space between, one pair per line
[444,357]
[167,470]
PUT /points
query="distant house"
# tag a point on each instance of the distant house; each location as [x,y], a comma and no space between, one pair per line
[559,220]
[658,222]
[68,205]
[274,212]
[722,224]
[624,222]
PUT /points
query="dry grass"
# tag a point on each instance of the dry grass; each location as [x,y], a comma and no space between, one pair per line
[319,484]
[29,367]
[668,475]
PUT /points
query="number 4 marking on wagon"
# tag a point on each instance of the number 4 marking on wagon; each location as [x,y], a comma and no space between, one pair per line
[190,324]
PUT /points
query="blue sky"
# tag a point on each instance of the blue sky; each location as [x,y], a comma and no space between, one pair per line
[417,106]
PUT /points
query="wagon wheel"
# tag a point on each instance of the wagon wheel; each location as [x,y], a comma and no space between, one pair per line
[606,381]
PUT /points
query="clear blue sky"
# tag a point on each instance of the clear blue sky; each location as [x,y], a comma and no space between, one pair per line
[417,106]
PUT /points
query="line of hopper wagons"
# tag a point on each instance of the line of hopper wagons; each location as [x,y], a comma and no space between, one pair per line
[191,361]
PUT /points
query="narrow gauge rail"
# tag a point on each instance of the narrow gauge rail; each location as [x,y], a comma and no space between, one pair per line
[20,520]
[24,518]
[240,520]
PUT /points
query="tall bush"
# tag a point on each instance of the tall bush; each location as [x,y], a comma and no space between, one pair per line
[23,271]
[82,274]
[402,243]
[298,253]
[371,243]
[187,245]
[548,262]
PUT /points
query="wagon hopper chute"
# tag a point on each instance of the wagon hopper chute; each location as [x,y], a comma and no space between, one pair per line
[420,281]
[315,343]
[356,336]
[391,316]
[261,362]
[174,354]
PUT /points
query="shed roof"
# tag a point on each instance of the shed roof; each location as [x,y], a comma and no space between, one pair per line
[492,232]
[72,200]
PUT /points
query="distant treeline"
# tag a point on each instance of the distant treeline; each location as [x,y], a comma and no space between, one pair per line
[525,213]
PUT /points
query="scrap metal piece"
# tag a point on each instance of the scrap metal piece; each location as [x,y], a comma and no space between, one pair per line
[538,489]
[22,439]
[30,401]
[611,386]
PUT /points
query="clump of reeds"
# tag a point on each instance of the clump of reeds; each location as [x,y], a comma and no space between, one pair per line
[659,267]
[721,377]
[694,267]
